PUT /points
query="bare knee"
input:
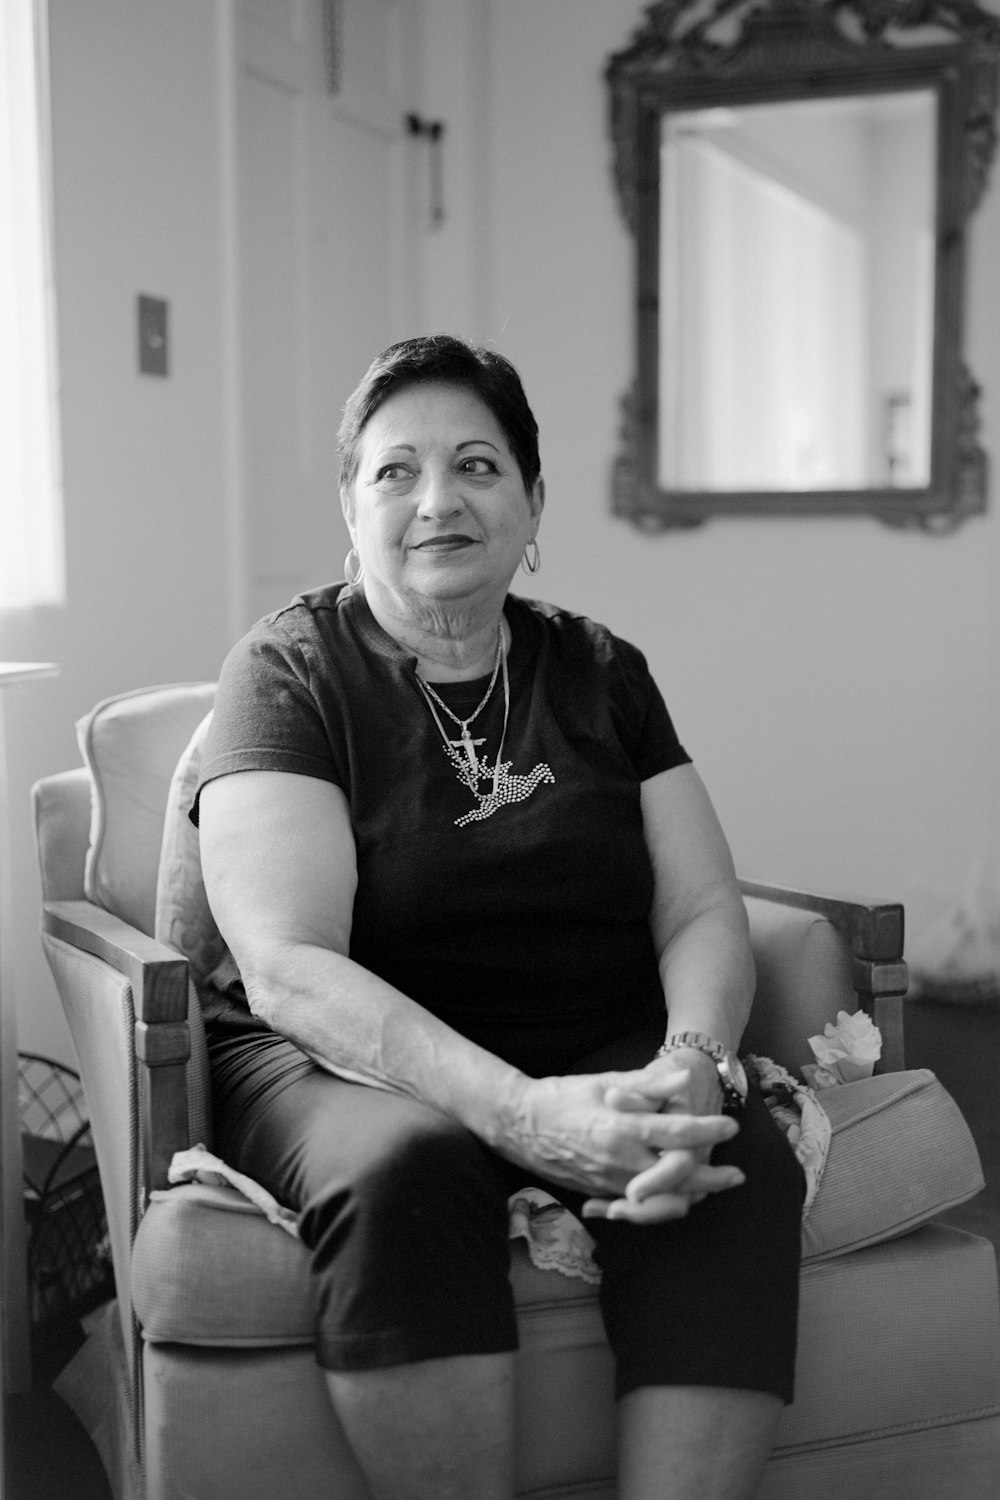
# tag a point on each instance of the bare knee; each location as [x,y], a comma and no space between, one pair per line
[440,1428]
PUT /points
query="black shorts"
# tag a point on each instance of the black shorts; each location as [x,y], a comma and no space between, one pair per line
[405,1215]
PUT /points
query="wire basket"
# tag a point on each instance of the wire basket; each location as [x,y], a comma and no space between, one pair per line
[69,1261]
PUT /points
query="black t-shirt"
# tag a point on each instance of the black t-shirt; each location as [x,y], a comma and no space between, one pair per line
[514,906]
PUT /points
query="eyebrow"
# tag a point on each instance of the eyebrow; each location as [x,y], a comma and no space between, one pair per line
[409,448]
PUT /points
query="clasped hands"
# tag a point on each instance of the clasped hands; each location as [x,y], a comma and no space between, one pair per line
[638,1142]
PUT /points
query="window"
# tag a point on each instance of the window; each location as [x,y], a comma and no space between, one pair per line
[31,536]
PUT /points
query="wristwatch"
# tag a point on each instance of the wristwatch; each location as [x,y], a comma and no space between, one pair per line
[732,1074]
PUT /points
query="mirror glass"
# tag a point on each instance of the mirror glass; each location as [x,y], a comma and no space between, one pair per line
[796,311]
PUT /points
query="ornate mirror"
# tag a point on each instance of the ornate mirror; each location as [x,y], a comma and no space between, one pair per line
[798,176]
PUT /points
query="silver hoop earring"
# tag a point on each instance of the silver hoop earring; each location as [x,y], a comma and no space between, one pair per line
[353,568]
[532,559]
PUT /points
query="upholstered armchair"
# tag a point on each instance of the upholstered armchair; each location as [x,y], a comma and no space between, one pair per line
[200,1380]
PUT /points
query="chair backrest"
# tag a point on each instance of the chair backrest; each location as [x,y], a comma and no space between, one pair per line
[131,745]
[111,832]
[100,832]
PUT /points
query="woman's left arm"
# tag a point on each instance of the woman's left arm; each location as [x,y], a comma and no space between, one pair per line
[700,931]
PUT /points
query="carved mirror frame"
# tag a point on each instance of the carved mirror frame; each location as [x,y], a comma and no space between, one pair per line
[689,54]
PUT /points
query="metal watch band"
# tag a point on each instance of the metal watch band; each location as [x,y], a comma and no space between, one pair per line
[696,1039]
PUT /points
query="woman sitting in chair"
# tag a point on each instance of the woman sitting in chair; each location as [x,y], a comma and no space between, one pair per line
[490,936]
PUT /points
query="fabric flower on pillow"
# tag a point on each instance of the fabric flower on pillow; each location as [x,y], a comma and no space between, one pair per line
[847,1051]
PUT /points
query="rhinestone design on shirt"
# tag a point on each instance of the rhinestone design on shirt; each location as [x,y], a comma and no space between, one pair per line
[504,788]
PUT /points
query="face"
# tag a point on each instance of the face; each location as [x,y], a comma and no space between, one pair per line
[438,510]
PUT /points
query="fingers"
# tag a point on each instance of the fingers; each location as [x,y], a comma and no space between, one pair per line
[645,1205]
[567,1130]
[650,1211]
[626,1096]
[666,1089]
[655,1086]
[680,1143]
[623,1093]
[702,1090]
[628,1100]
[680,1172]
[707,1179]
[688,1132]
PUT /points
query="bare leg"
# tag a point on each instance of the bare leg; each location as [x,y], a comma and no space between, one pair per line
[694,1442]
[438,1430]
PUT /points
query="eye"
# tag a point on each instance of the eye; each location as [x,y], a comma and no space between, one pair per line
[391,472]
[477,464]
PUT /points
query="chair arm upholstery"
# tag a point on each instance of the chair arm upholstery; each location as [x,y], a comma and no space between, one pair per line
[873,933]
[159,982]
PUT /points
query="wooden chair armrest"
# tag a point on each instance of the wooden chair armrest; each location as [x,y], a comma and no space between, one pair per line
[158,977]
[158,974]
[874,933]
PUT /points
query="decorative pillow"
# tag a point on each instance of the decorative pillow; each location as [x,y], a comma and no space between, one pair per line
[900,1154]
[130,744]
[183,918]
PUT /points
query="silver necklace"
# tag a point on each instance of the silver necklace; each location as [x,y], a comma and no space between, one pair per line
[468,768]
[507,788]
[465,739]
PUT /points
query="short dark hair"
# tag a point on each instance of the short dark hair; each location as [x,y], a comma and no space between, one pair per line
[442,357]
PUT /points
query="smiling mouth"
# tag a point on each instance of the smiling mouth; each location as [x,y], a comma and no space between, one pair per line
[453,542]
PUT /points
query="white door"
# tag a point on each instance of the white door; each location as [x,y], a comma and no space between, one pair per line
[326,255]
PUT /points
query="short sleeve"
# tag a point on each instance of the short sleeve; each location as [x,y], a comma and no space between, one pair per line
[644,723]
[266,716]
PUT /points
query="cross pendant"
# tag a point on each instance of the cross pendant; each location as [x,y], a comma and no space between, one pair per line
[468,743]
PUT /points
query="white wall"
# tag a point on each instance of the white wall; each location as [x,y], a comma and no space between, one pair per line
[137,209]
[836,681]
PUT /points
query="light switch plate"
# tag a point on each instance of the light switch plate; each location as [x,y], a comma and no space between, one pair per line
[152,335]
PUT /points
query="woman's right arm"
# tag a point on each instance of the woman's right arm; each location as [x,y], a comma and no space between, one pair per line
[280,870]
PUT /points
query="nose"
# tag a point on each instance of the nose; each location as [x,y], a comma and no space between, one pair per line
[440,496]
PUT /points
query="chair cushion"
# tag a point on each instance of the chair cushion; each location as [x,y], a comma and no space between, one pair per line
[894,1338]
[208,1268]
[131,745]
[183,918]
[888,1404]
[867,1367]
